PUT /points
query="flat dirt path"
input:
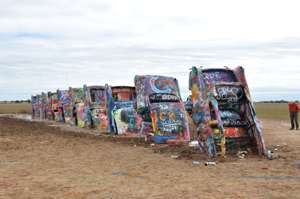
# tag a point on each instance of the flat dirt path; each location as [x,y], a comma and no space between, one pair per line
[42,161]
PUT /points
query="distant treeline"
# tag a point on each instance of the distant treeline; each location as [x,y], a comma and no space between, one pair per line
[15,101]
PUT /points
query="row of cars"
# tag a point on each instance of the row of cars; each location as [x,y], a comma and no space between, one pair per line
[153,106]
[220,107]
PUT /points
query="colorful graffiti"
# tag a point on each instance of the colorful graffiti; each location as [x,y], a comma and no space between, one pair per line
[77,96]
[123,93]
[147,85]
[222,111]
[159,97]
[65,105]
[39,111]
[35,106]
[216,76]
[55,112]
[251,113]
[44,106]
[98,103]
[220,106]
[126,119]
[49,114]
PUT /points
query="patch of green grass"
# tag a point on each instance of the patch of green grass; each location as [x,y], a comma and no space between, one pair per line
[15,108]
[272,111]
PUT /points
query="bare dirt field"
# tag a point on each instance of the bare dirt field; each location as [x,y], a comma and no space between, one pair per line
[42,161]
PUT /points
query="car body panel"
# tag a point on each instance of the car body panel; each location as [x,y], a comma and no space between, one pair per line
[124,113]
[98,102]
[77,96]
[44,106]
[54,111]
[159,97]
[65,100]
[222,96]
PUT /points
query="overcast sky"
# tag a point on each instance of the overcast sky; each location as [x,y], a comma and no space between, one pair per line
[50,44]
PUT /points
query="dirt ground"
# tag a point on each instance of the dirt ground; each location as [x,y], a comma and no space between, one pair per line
[45,160]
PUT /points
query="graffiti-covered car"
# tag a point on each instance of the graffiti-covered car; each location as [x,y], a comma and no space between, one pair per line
[51,106]
[40,111]
[159,100]
[78,107]
[223,111]
[98,105]
[54,111]
[44,106]
[188,105]
[126,119]
[65,105]
[35,106]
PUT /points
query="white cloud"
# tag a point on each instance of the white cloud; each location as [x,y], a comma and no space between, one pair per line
[50,44]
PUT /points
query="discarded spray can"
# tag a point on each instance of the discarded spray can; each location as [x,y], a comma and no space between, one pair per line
[270,155]
[210,163]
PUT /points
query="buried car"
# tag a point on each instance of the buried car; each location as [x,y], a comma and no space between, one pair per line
[65,105]
[33,106]
[159,101]
[44,104]
[78,112]
[223,111]
[98,103]
[54,111]
[35,103]
[126,119]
